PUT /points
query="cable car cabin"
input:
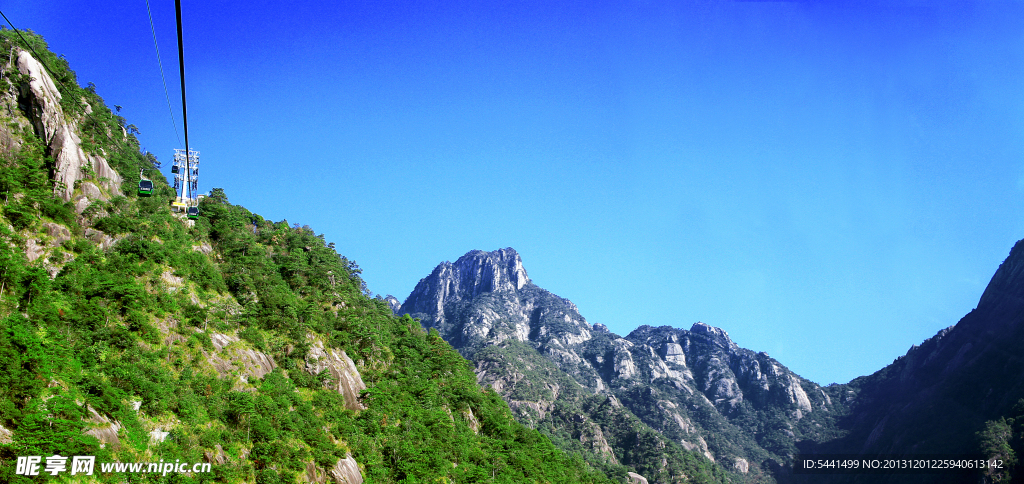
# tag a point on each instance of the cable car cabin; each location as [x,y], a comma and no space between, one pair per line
[174,169]
[145,187]
[193,213]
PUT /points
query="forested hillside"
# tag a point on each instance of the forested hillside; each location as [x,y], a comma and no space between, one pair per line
[131,334]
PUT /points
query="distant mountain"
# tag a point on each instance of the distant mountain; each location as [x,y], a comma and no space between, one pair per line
[695,390]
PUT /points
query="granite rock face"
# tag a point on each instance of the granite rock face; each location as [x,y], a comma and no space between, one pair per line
[346,471]
[52,124]
[231,358]
[393,303]
[345,377]
[103,428]
[486,298]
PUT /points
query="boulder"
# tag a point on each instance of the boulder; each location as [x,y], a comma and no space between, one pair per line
[58,233]
[103,240]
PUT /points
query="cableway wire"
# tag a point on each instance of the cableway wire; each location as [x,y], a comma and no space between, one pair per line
[160,62]
[184,110]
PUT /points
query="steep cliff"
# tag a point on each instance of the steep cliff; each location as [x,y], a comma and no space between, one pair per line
[41,103]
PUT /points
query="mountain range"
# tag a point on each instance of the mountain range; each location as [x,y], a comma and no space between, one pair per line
[695,391]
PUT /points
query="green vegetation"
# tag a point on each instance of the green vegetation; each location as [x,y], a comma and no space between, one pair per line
[1003,440]
[92,337]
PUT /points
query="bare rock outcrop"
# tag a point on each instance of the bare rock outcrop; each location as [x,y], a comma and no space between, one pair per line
[798,396]
[6,436]
[503,305]
[103,240]
[249,363]
[34,249]
[104,429]
[52,125]
[594,437]
[158,435]
[471,420]
[203,248]
[217,456]
[635,478]
[346,471]
[684,384]
[473,274]
[345,376]
[56,235]
[393,303]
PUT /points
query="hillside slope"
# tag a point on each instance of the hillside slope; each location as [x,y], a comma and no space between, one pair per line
[133,335]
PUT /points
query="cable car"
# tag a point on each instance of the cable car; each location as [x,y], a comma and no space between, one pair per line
[144,187]
[193,213]
[174,169]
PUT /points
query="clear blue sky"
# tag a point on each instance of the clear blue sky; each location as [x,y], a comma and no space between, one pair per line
[830,182]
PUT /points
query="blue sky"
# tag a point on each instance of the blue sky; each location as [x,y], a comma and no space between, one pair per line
[830,182]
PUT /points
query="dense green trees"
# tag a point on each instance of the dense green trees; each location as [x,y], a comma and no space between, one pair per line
[1002,440]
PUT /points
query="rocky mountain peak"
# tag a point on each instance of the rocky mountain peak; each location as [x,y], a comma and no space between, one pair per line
[535,348]
[716,335]
[393,303]
[451,286]
[496,271]
[477,272]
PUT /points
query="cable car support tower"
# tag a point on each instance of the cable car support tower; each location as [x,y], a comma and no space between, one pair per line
[186,162]
[186,181]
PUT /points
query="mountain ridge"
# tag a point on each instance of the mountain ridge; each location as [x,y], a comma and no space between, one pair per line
[742,409]
[697,378]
